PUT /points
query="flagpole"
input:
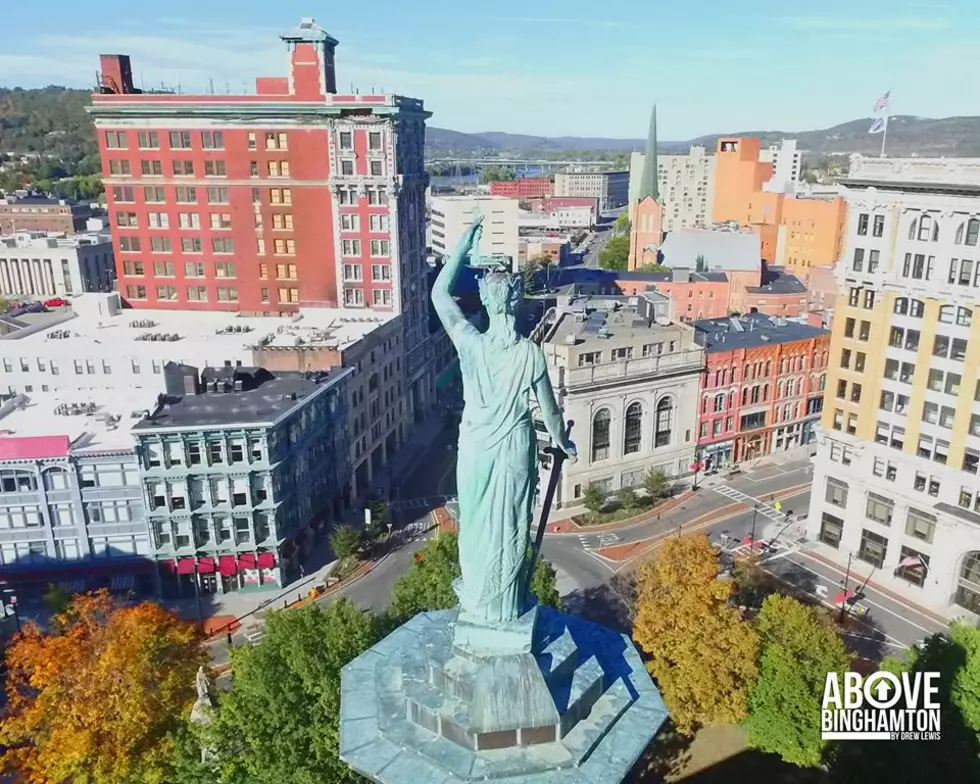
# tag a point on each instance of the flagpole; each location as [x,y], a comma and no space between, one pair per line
[884,136]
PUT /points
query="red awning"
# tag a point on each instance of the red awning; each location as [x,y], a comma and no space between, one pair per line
[267,560]
[227,565]
[169,566]
[246,561]
[206,565]
[185,566]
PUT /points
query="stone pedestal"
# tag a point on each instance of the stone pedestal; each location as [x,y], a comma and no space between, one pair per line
[551,699]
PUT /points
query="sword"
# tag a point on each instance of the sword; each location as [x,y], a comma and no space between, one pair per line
[558,458]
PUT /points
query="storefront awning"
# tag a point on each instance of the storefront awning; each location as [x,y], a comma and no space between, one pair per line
[227,565]
[246,561]
[267,560]
[206,565]
[185,566]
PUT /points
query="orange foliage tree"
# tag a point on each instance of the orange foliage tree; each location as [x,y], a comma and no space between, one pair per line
[97,699]
[699,649]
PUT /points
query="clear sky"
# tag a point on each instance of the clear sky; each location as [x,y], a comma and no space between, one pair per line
[550,67]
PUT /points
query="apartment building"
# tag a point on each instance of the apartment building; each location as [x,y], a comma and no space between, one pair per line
[241,468]
[28,212]
[34,264]
[453,215]
[627,376]
[686,186]
[895,486]
[297,196]
[522,188]
[763,386]
[611,188]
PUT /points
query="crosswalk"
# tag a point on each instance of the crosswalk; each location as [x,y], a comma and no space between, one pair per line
[592,543]
[764,509]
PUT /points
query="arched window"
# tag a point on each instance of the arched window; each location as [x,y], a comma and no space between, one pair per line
[600,435]
[958,239]
[946,314]
[972,231]
[968,589]
[719,402]
[917,308]
[912,227]
[55,479]
[964,317]
[665,413]
[633,432]
[901,306]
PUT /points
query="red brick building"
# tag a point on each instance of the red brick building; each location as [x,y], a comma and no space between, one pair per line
[29,212]
[295,196]
[762,389]
[526,188]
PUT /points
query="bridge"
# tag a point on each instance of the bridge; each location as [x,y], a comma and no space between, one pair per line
[516,162]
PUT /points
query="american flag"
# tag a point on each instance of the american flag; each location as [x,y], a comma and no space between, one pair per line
[882,103]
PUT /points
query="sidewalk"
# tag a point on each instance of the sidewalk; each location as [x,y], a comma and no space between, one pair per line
[415,449]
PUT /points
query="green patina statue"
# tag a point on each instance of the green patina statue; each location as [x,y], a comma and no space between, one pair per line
[497,462]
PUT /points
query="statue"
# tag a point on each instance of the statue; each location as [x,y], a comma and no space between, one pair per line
[202,712]
[202,685]
[497,460]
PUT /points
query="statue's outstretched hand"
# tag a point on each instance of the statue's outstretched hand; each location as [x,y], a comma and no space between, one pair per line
[571,453]
[475,231]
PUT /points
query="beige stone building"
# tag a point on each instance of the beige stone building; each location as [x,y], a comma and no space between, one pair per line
[611,188]
[686,185]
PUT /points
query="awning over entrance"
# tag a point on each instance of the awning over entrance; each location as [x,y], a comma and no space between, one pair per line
[227,565]
[206,565]
[267,560]
[185,566]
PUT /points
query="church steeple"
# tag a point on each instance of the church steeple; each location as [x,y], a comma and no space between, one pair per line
[648,180]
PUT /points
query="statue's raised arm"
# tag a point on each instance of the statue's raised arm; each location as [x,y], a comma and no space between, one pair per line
[442,297]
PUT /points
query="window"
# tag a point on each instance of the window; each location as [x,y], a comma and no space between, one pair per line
[186,195]
[278,168]
[183,168]
[374,140]
[191,245]
[350,247]
[129,244]
[380,272]
[964,317]
[286,271]
[158,220]
[276,141]
[283,221]
[858,260]
[180,140]
[381,296]
[854,297]
[855,393]
[879,509]
[869,299]
[589,358]
[873,258]
[830,530]
[346,140]
[291,295]
[213,140]
[347,167]
[662,430]
[119,167]
[163,269]
[214,169]
[126,219]
[133,268]
[123,193]
[227,294]
[873,547]
[135,292]
[600,435]
[836,492]
[350,222]
[197,294]
[220,220]
[166,292]
[151,168]
[841,389]
[920,525]
[222,245]
[251,141]
[149,140]
[879,226]
[225,269]
[193,269]
[217,196]
[865,331]
[354,296]
[633,429]
[116,140]
[862,227]
[284,247]
[849,328]
[377,167]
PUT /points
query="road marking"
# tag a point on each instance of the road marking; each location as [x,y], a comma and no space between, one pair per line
[764,508]
[586,542]
[867,600]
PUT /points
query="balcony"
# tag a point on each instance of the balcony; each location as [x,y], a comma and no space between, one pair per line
[634,369]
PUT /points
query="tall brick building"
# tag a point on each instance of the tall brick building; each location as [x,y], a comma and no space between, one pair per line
[295,196]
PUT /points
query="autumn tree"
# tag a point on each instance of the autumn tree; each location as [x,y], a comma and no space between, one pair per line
[428,585]
[699,649]
[281,721]
[95,700]
[797,650]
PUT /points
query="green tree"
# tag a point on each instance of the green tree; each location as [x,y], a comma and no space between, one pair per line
[622,224]
[627,498]
[280,722]
[594,497]
[615,256]
[655,482]
[699,263]
[380,518]
[953,758]
[529,271]
[654,268]
[345,541]
[797,650]
[699,649]
[496,173]
[428,583]
[57,599]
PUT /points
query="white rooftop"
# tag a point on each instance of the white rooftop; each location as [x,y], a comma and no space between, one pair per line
[40,239]
[92,422]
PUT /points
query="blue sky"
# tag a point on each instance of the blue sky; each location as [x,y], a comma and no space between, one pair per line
[575,67]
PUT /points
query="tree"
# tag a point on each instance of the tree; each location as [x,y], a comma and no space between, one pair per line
[615,256]
[281,721]
[529,271]
[654,268]
[797,650]
[98,697]
[345,541]
[701,652]
[627,498]
[428,584]
[496,173]
[953,758]
[622,223]
[380,517]
[655,482]
[594,498]
[699,263]
[57,599]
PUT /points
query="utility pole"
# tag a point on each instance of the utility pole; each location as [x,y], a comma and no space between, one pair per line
[755,511]
[847,577]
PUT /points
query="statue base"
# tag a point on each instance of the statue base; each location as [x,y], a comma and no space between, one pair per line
[442,700]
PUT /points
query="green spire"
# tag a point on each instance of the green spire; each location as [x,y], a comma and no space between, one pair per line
[648,180]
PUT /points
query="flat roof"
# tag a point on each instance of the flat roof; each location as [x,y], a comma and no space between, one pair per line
[88,421]
[751,331]
[778,282]
[271,396]
[209,331]
[601,312]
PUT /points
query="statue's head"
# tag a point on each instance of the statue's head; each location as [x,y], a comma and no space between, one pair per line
[501,293]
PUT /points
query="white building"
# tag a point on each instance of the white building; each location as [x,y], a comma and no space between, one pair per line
[787,165]
[558,218]
[611,188]
[452,215]
[33,264]
[895,484]
[627,377]
[686,184]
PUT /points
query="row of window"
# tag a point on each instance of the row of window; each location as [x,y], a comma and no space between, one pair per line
[792,364]
[355,273]
[379,248]
[926,229]
[350,221]
[355,297]
[222,245]
[633,429]
[208,140]
[199,294]
[626,352]
[68,549]
[929,448]
[200,531]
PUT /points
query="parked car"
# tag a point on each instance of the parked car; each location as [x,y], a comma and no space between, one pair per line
[56,302]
